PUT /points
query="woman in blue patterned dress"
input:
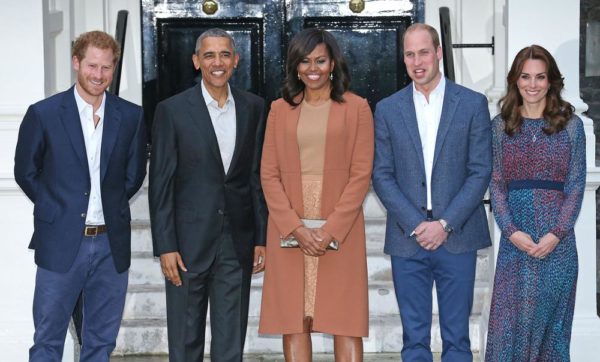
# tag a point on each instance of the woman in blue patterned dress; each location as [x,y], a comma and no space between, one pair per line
[537,187]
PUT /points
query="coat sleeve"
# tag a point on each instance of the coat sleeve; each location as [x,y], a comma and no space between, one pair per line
[258,198]
[29,153]
[280,207]
[344,214]
[161,192]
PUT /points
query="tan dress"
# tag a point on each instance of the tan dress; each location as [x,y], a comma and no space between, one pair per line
[312,129]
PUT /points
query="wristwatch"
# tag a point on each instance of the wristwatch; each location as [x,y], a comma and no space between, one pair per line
[446,226]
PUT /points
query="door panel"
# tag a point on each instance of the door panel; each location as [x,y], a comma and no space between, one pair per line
[372,48]
[371,41]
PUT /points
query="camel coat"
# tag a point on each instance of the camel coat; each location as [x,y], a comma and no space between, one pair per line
[341,305]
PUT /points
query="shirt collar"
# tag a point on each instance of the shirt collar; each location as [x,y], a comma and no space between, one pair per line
[210,101]
[82,104]
[438,91]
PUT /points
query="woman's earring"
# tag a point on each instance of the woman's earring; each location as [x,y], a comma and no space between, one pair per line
[331,76]
[298,75]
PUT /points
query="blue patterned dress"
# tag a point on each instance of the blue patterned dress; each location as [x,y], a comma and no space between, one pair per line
[537,187]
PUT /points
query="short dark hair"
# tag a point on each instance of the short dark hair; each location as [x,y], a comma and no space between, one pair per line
[214,33]
[97,39]
[557,112]
[300,46]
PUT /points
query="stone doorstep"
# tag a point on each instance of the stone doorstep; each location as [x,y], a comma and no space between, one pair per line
[145,269]
[318,357]
[385,335]
[148,301]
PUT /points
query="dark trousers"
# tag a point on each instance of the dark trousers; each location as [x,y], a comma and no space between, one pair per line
[104,290]
[454,276]
[226,285]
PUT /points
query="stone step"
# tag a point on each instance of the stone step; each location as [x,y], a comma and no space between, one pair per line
[148,301]
[277,357]
[385,335]
[145,269]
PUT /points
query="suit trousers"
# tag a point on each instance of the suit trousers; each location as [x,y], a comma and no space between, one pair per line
[93,273]
[454,277]
[226,285]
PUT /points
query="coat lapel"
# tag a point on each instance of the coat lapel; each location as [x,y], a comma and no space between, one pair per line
[241,126]
[448,110]
[406,108]
[333,147]
[201,118]
[110,131]
[72,124]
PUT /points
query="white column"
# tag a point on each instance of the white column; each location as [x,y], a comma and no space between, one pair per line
[22,74]
[554,24]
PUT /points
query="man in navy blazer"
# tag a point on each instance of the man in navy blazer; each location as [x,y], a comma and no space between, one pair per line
[432,167]
[80,157]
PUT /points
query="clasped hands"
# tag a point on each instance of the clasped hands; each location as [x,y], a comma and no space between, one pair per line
[524,242]
[430,235]
[312,242]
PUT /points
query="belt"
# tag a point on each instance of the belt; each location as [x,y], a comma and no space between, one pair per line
[93,230]
[536,184]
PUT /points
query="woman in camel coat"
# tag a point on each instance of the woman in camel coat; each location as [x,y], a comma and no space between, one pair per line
[334,299]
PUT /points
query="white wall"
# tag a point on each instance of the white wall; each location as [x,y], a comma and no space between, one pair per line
[22,83]
[22,72]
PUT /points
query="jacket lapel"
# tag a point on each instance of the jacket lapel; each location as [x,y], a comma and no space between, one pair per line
[241,126]
[72,124]
[406,108]
[110,130]
[448,110]
[201,118]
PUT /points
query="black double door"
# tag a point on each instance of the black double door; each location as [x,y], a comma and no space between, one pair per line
[370,39]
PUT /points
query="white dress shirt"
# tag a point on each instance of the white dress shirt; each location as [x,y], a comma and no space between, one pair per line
[224,123]
[92,137]
[428,119]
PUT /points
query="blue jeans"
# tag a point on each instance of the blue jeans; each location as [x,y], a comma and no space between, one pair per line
[104,290]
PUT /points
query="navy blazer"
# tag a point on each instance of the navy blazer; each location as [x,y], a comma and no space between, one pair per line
[52,169]
[461,171]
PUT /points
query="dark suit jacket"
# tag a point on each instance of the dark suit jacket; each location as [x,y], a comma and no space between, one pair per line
[190,194]
[461,171]
[52,169]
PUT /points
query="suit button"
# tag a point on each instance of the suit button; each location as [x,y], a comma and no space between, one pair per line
[86,193]
[423,208]
[83,215]
[221,212]
[423,184]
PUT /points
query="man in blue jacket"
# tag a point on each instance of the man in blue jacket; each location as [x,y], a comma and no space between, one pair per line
[433,161]
[80,157]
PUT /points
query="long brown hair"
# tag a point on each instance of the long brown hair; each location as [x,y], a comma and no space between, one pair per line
[557,111]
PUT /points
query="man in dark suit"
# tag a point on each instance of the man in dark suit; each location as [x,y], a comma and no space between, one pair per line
[432,167]
[80,157]
[206,205]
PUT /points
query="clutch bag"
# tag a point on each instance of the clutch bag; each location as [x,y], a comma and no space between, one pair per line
[292,242]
